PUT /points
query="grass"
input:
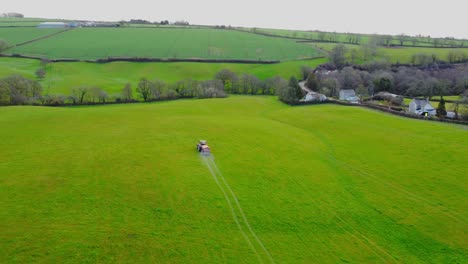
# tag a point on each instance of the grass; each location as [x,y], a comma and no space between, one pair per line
[396,55]
[112,77]
[17,35]
[124,183]
[94,43]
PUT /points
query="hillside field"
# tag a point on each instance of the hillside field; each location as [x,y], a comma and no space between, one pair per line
[112,77]
[180,43]
[396,54]
[343,37]
[313,184]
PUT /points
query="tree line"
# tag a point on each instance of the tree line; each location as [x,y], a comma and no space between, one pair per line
[18,90]
[380,76]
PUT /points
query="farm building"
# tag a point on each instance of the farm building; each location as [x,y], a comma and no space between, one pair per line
[421,107]
[52,25]
[314,97]
[349,95]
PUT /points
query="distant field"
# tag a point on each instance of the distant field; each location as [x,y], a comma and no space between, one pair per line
[93,43]
[397,54]
[16,35]
[316,184]
[341,37]
[61,77]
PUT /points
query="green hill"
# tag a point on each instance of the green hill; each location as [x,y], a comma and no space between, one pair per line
[179,43]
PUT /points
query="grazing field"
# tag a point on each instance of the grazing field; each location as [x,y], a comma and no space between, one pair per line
[123,183]
[17,35]
[397,54]
[112,77]
[180,43]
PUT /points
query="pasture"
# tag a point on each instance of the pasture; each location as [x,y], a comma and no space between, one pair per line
[112,77]
[123,183]
[176,43]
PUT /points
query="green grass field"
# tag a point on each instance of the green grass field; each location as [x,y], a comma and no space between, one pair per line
[124,183]
[93,43]
[397,54]
[112,77]
[17,35]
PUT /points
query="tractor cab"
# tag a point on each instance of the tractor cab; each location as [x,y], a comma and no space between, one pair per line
[202,147]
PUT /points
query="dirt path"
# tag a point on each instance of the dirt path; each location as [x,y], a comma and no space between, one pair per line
[304,87]
[239,217]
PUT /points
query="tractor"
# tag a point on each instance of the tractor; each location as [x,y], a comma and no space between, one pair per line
[203,148]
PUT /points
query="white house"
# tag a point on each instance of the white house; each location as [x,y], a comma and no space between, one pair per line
[314,97]
[421,107]
[349,95]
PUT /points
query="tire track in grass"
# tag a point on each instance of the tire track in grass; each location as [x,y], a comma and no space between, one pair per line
[233,212]
[241,210]
[224,185]
[449,213]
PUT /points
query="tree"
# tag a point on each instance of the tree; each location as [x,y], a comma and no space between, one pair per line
[226,75]
[40,73]
[306,70]
[16,89]
[144,89]
[127,93]
[286,93]
[402,38]
[338,56]
[383,82]
[3,45]
[79,93]
[362,92]
[294,84]
[349,78]
[441,111]
[156,89]
[312,82]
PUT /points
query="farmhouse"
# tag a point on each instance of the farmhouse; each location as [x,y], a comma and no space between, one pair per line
[421,107]
[52,25]
[349,95]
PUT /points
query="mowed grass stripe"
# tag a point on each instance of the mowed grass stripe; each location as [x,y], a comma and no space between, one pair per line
[94,43]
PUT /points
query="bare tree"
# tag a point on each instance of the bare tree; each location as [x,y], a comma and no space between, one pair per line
[3,45]
[40,73]
[144,89]
[79,93]
[127,93]
[338,55]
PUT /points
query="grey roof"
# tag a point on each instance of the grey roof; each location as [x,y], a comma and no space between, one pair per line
[421,103]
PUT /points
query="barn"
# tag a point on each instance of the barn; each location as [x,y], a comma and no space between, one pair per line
[52,25]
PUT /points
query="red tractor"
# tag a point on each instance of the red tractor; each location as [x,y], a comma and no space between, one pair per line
[203,148]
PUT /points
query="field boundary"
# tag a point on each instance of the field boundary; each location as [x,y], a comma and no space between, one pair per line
[142,59]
